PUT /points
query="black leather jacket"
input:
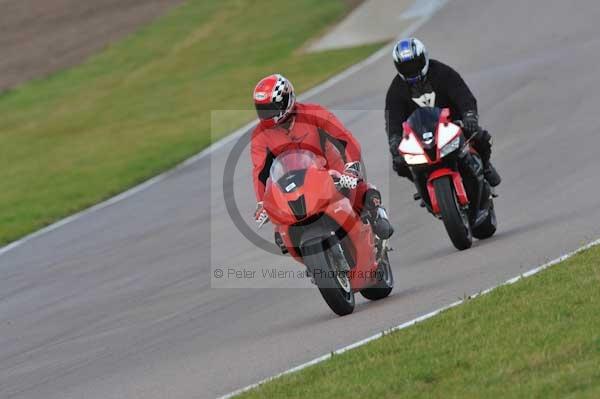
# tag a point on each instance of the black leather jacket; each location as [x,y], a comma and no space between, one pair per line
[443,88]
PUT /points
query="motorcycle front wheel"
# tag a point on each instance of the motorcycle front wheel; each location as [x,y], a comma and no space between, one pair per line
[330,274]
[455,219]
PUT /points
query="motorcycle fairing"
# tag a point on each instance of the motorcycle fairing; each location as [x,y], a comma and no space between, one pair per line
[322,204]
[459,187]
[421,133]
[445,134]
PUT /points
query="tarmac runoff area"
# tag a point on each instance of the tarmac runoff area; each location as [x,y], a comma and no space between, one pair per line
[374,21]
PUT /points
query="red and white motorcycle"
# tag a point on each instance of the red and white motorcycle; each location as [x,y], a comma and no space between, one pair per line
[448,174]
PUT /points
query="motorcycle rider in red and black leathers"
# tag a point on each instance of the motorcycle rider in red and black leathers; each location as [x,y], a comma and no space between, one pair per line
[286,124]
[424,82]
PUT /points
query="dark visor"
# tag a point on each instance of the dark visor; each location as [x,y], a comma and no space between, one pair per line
[268,111]
[412,69]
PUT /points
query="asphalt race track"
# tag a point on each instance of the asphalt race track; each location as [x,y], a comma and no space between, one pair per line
[119,304]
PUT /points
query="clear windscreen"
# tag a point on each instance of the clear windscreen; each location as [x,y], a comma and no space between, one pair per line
[292,161]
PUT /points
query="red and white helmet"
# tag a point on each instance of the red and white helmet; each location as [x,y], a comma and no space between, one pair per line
[274,99]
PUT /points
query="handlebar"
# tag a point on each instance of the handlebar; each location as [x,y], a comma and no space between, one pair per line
[460,123]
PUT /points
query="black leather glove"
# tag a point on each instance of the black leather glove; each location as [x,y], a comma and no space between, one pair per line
[394,143]
[483,145]
[401,167]
[471,121]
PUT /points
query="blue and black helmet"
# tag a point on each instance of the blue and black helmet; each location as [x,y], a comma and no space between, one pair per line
[411,60]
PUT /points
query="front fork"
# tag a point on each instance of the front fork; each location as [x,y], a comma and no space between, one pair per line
[468,181]
[457,182]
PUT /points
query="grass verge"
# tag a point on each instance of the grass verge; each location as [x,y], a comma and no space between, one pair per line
[538,338]
[143,104]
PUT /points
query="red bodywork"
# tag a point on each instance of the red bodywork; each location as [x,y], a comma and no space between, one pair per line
[459,187]
[322,197]
[444,119]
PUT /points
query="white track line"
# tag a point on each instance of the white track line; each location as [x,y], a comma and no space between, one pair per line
[238,133]
[194,159]
[412,322]
[217,145]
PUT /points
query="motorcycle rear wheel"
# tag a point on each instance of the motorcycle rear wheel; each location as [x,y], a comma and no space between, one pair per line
[455,220]
[488,227]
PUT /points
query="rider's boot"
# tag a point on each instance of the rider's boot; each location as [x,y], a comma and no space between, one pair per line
[491,174]
[280,243]
[381,224]
[483,145]
[378,216]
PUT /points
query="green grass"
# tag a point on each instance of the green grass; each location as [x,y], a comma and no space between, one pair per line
[538,338]
[144,104]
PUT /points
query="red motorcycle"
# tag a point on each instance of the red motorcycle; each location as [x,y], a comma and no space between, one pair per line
[321,230]
[448,174]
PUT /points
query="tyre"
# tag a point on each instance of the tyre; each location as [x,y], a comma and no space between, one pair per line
[385,281]
[455,220]
[328,271]
[488,227]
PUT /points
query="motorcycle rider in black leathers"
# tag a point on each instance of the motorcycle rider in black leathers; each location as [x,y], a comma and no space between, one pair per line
[422,82]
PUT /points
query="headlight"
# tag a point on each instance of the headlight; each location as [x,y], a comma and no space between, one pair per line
[415,159]
[450,147]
